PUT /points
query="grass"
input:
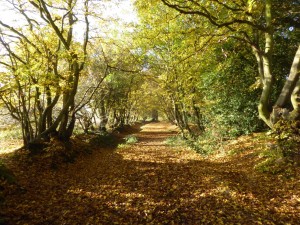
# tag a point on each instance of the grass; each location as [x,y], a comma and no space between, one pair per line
[10,139]
[129,140]
[275,163]
[175,141]
[12,132]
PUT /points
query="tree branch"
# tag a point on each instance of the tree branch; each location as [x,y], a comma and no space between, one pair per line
[212,19]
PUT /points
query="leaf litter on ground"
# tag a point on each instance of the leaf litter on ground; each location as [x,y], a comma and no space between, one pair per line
[152,183]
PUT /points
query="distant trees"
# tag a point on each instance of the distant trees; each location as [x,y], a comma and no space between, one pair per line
[217,61]
[115,103]
[205,65]
[172,61]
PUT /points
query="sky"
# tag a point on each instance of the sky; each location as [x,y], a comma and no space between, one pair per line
[115,15]
[122,9]
[109,10]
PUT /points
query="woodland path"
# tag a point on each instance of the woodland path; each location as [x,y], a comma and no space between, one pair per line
[151,183]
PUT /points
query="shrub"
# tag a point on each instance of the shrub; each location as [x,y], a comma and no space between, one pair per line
[283,156]
[175,141]
[287,134]
[103,140]
[273,162]
[131,139]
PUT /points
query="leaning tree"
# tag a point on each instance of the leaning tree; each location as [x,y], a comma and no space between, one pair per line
[256,23]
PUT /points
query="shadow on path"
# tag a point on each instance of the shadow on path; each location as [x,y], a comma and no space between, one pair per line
[151,183]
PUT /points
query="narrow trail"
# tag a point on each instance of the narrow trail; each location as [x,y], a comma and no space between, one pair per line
[150,183]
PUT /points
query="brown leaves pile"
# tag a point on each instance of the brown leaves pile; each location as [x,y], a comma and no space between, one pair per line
[150,183]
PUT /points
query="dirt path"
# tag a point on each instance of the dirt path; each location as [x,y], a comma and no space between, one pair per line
[151,183]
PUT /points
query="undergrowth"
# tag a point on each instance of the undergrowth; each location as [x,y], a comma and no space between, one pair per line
[201,144]
[102,140]
[278,150]
[175,141]
[283,156]
[205,144]
[6,174]
[129,140]
[10,132]
[287,134]
[6,178]
[273,161]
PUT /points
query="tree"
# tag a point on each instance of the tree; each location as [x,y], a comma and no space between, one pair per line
[117,97]
[255,23]
[231,93]
[45,62]
[182,58]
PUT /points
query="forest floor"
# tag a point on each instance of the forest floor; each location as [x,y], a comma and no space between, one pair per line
[150,182]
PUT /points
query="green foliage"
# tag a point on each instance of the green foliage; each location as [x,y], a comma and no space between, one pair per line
[273,160]
[175,141]
[103,140]
[232,109]
[131,139]
[287,134]
[280,158]
[202,144]
[120,146]
[10,132]
[207,143]
[78,130]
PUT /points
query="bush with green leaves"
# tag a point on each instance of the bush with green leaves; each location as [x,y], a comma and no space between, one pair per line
[103,140]
[285,154]
[287,134]
[207,143]
[131,139]
[273,161]
[202,144]
[231,92]
[175,141]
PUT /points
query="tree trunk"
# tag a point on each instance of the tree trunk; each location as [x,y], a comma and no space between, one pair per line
[154,115]
[295,99]
[264,108]
[290,91]
[198,117]
[102,114]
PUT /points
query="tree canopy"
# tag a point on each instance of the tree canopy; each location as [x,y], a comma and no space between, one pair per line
[210,67]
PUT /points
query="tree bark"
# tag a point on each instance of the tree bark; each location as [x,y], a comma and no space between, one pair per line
[295,99]
[102,114]
[290,84]
[268,79]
